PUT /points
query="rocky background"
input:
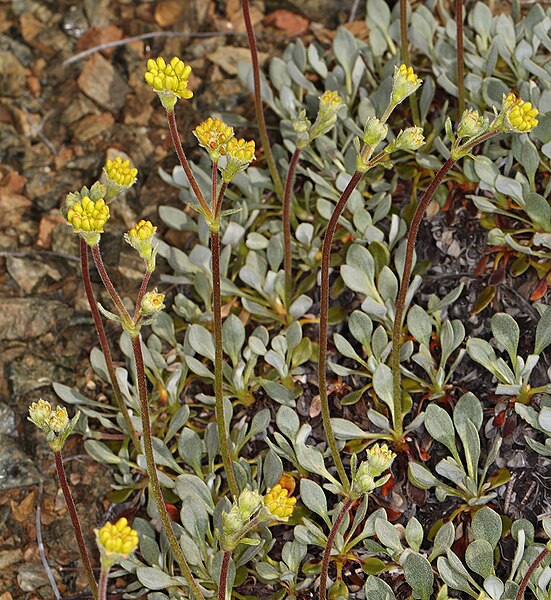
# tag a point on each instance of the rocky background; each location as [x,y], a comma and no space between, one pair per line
[61,116]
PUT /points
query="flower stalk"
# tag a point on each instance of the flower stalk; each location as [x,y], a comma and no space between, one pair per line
[262,130]
[75,521]
[104,344]
[459,55]
[530,571]
[405,58]
[287,255]
[224,575]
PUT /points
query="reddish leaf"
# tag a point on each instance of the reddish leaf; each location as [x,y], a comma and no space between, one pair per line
[173,512]
[483,300]
[539,291]
[499,419]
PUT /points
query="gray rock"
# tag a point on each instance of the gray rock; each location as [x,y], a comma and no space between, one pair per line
[27,318]
[31,372]
[16,468]
[28,273]
[32,576]
[7,420]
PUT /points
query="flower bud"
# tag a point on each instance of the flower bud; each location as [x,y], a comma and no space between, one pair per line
[302,125]
[405,82]
[169,81]
[249,502]
[378,460]
[409,139]
[39,413]
[140,237]
[471,124]
[374,131]
[330,104]
[115,542]
[213,135]
[152,303]
[239,155]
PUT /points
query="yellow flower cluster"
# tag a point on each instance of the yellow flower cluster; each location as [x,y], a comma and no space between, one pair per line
[520,114]
[213,135]
[279,503]
[330,100]
[241,150]
[41,414]
[59,419]
[142,230]
[120,172]
[408,73]
[87,215]
[171,78]
[119,539]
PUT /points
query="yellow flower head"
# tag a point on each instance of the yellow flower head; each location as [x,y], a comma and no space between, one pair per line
[405,82]
[279,503]
[378,460]
[116,541]
[213,135]
[152,303]
[520,115]
[88,216]
[411,138]
[120,172]
[140,237]
[330,104]
[169,81]
[240,154]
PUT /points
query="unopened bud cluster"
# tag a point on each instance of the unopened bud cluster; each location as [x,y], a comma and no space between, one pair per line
[378,460]
[405,83]
[330,104]
[140,237]
[55,423]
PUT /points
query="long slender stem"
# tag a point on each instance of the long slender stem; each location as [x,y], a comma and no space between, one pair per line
[76,523]
[222,586]
[103,585]
[218,358]
[104,343]
[263,132]
[405,58]
[175,137]
[141,293]
[223,189]
[152,471]
[401,299]
[100,266]
[324,318]
[287,256]
[213,199]
[459,55]
[530,572]
[329,547]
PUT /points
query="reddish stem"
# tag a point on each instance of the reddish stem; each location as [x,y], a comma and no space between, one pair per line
[221,197]
[100,266]
[262,130]
[530,572]
[104,343]
[141,294]
[329,547]
[103,585]
[224,575]
[175,137]
[287,256]
[459,55]
[324,318]
[76,523]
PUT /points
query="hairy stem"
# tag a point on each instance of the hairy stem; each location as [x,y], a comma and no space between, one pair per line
[103,584]
[152,471]
[105,344]
[76,523]
[530,572]
[223,189]
[218,362]
[459,55]
[401,299]
[287,256]
[100,266]
[175,137]
[405,58]
[141,294]
[329,547]
[224,575]
[263,132]
[324,318]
